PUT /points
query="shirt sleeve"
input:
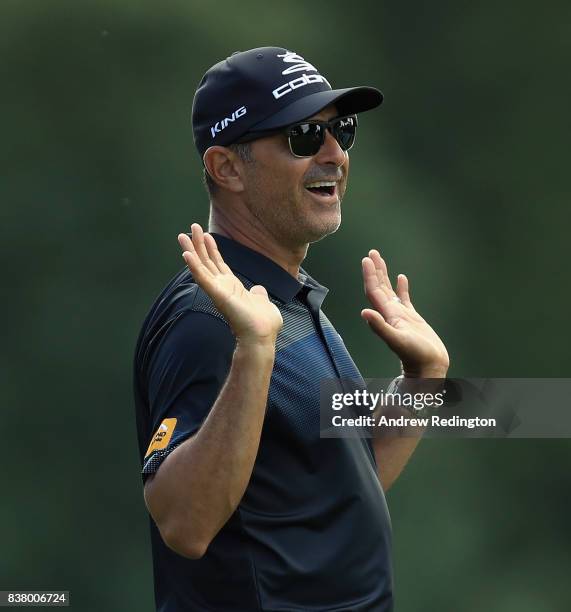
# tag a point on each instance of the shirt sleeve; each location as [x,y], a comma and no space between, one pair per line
[184,376]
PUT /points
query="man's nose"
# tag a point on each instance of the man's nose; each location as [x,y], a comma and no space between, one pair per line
[330,152]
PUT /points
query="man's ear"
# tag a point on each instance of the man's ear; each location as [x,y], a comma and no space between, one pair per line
[224,168]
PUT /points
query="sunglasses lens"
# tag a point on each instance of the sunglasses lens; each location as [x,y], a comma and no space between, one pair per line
[306,139]
[344,132]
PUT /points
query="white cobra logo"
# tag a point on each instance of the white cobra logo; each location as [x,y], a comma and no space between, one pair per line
[290,57]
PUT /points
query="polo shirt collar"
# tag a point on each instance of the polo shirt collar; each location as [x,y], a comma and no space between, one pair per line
[263,271]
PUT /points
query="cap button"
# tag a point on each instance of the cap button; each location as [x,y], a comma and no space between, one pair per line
[259,56]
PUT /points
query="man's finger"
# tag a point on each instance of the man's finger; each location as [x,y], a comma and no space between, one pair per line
[380,326]
[214,254]
[200,247]
[376,293]
[200,273]
[185,242]
[259,290]
[381,268]
[402,291]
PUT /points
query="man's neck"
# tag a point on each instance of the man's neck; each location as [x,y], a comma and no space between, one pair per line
[260,241]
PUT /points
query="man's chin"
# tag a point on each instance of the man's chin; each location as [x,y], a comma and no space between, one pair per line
[324,235]
[321,230]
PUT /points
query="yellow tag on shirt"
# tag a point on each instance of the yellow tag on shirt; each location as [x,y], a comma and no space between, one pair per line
[162,436]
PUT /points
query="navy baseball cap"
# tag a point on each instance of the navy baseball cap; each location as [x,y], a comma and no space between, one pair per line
[263,89]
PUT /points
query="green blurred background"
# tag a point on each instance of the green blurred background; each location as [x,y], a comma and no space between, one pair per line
[460,179]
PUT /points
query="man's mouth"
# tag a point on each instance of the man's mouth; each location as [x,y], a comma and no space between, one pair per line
[323,188]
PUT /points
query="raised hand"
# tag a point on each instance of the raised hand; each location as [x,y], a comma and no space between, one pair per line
[395,320]
[251,315]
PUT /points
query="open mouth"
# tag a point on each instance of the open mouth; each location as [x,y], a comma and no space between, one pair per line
[322,188]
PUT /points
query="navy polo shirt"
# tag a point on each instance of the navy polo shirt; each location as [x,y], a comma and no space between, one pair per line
[312,531]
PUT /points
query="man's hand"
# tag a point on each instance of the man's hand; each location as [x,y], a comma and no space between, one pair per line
[395,320]
[251,315]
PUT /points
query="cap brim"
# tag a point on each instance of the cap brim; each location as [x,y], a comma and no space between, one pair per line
[349,101]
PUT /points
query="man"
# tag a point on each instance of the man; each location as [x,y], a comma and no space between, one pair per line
[250,508]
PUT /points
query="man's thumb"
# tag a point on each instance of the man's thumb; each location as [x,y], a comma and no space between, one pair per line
[259,290]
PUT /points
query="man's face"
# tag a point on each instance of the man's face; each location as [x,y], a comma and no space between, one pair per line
[276,190]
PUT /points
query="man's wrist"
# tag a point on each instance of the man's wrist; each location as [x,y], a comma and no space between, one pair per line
[429,372]
[256,347]
[417,386]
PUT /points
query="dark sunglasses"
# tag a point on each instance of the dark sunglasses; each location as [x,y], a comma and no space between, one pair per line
[307,137]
